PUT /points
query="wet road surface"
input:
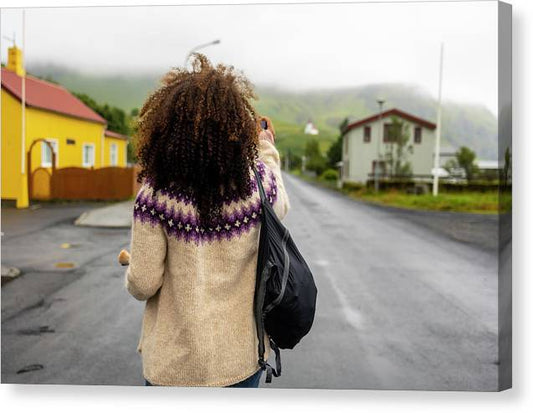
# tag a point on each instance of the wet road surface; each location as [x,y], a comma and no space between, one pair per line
[400,305]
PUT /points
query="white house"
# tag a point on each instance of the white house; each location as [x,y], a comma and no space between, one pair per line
[363,141]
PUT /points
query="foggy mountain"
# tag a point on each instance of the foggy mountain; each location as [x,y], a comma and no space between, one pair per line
[463,124]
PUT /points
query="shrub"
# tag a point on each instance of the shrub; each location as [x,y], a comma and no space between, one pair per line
[297,172]
[316,164]
[329,175]
[352,186]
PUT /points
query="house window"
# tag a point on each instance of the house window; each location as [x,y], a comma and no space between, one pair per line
[418,134]
[113,154]
[366,136]
[88,155]
[388,133]
[46,153]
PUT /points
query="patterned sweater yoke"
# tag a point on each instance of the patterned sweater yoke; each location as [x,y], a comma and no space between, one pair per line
[198,281]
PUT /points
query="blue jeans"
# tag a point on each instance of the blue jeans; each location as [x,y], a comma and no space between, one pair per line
[251,382]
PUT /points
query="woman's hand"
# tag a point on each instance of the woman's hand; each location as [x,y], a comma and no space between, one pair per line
[124,257]
[269,133]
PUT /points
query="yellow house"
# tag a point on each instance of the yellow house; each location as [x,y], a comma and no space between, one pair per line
[115,149]
[76,133]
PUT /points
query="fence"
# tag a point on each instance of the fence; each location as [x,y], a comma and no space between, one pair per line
[451,184]
[111,183]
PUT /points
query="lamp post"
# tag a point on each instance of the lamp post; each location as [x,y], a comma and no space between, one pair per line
[436,164]
[380,137]
[201,46]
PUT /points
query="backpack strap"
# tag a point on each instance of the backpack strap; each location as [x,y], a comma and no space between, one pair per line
[260,187]
[270,371]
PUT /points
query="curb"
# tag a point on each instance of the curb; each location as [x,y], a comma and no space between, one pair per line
[9,274]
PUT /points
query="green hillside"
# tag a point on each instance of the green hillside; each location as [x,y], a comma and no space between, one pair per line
[470,125]
[462,124]
[290,136]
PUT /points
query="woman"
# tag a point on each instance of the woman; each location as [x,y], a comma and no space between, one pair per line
[196,225]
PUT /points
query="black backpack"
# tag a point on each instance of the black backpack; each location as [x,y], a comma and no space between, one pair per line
[285,292]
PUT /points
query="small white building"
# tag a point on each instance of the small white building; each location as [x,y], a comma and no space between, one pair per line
[310,128]
[363,140]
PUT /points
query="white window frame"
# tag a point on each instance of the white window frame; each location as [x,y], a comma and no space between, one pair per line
[113,150]
[83,146]
[44,150]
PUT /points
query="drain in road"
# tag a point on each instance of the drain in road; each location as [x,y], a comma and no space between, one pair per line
[36,331]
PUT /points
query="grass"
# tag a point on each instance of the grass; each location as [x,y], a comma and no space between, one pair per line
[292,137]
[472,201]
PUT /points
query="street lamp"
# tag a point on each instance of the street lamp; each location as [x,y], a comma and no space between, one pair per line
[194,49]
[380,134]
[436,160]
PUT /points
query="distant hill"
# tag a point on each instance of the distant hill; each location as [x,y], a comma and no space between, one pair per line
[463,124]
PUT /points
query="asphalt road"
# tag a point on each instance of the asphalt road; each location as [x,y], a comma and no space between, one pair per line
[400,306]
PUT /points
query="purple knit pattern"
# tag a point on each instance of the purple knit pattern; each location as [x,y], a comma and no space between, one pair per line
[232,196]
[186,226]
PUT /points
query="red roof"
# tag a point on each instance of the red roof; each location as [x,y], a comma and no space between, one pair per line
[112,134]
[392,112]
[48,96]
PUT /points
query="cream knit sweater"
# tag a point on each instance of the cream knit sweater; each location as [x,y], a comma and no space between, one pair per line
[198,327]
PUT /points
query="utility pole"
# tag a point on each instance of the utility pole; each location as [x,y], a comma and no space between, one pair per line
[377,165]
[436,165]
[23,200]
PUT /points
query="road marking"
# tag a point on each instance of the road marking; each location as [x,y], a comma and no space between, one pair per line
[353,317]
[64,265]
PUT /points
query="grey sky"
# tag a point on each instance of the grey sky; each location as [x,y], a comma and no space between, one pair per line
[293,46]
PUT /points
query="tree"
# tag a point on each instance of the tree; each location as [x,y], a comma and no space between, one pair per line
[334,154]
[117,120]
[465,159]
[451,167]
[315,161]
[134,115]
[295,161]
[506,172]
[312,149]
[397,147]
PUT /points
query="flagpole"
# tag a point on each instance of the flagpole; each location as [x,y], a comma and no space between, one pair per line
[436,165]
[23,100]
[23,200]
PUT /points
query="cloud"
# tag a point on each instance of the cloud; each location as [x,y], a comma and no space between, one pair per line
[294,46]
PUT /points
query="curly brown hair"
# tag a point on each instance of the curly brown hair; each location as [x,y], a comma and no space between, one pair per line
[197,133]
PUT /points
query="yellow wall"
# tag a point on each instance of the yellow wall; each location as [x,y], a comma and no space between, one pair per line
[11,142]
[48,125]
[122,149]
